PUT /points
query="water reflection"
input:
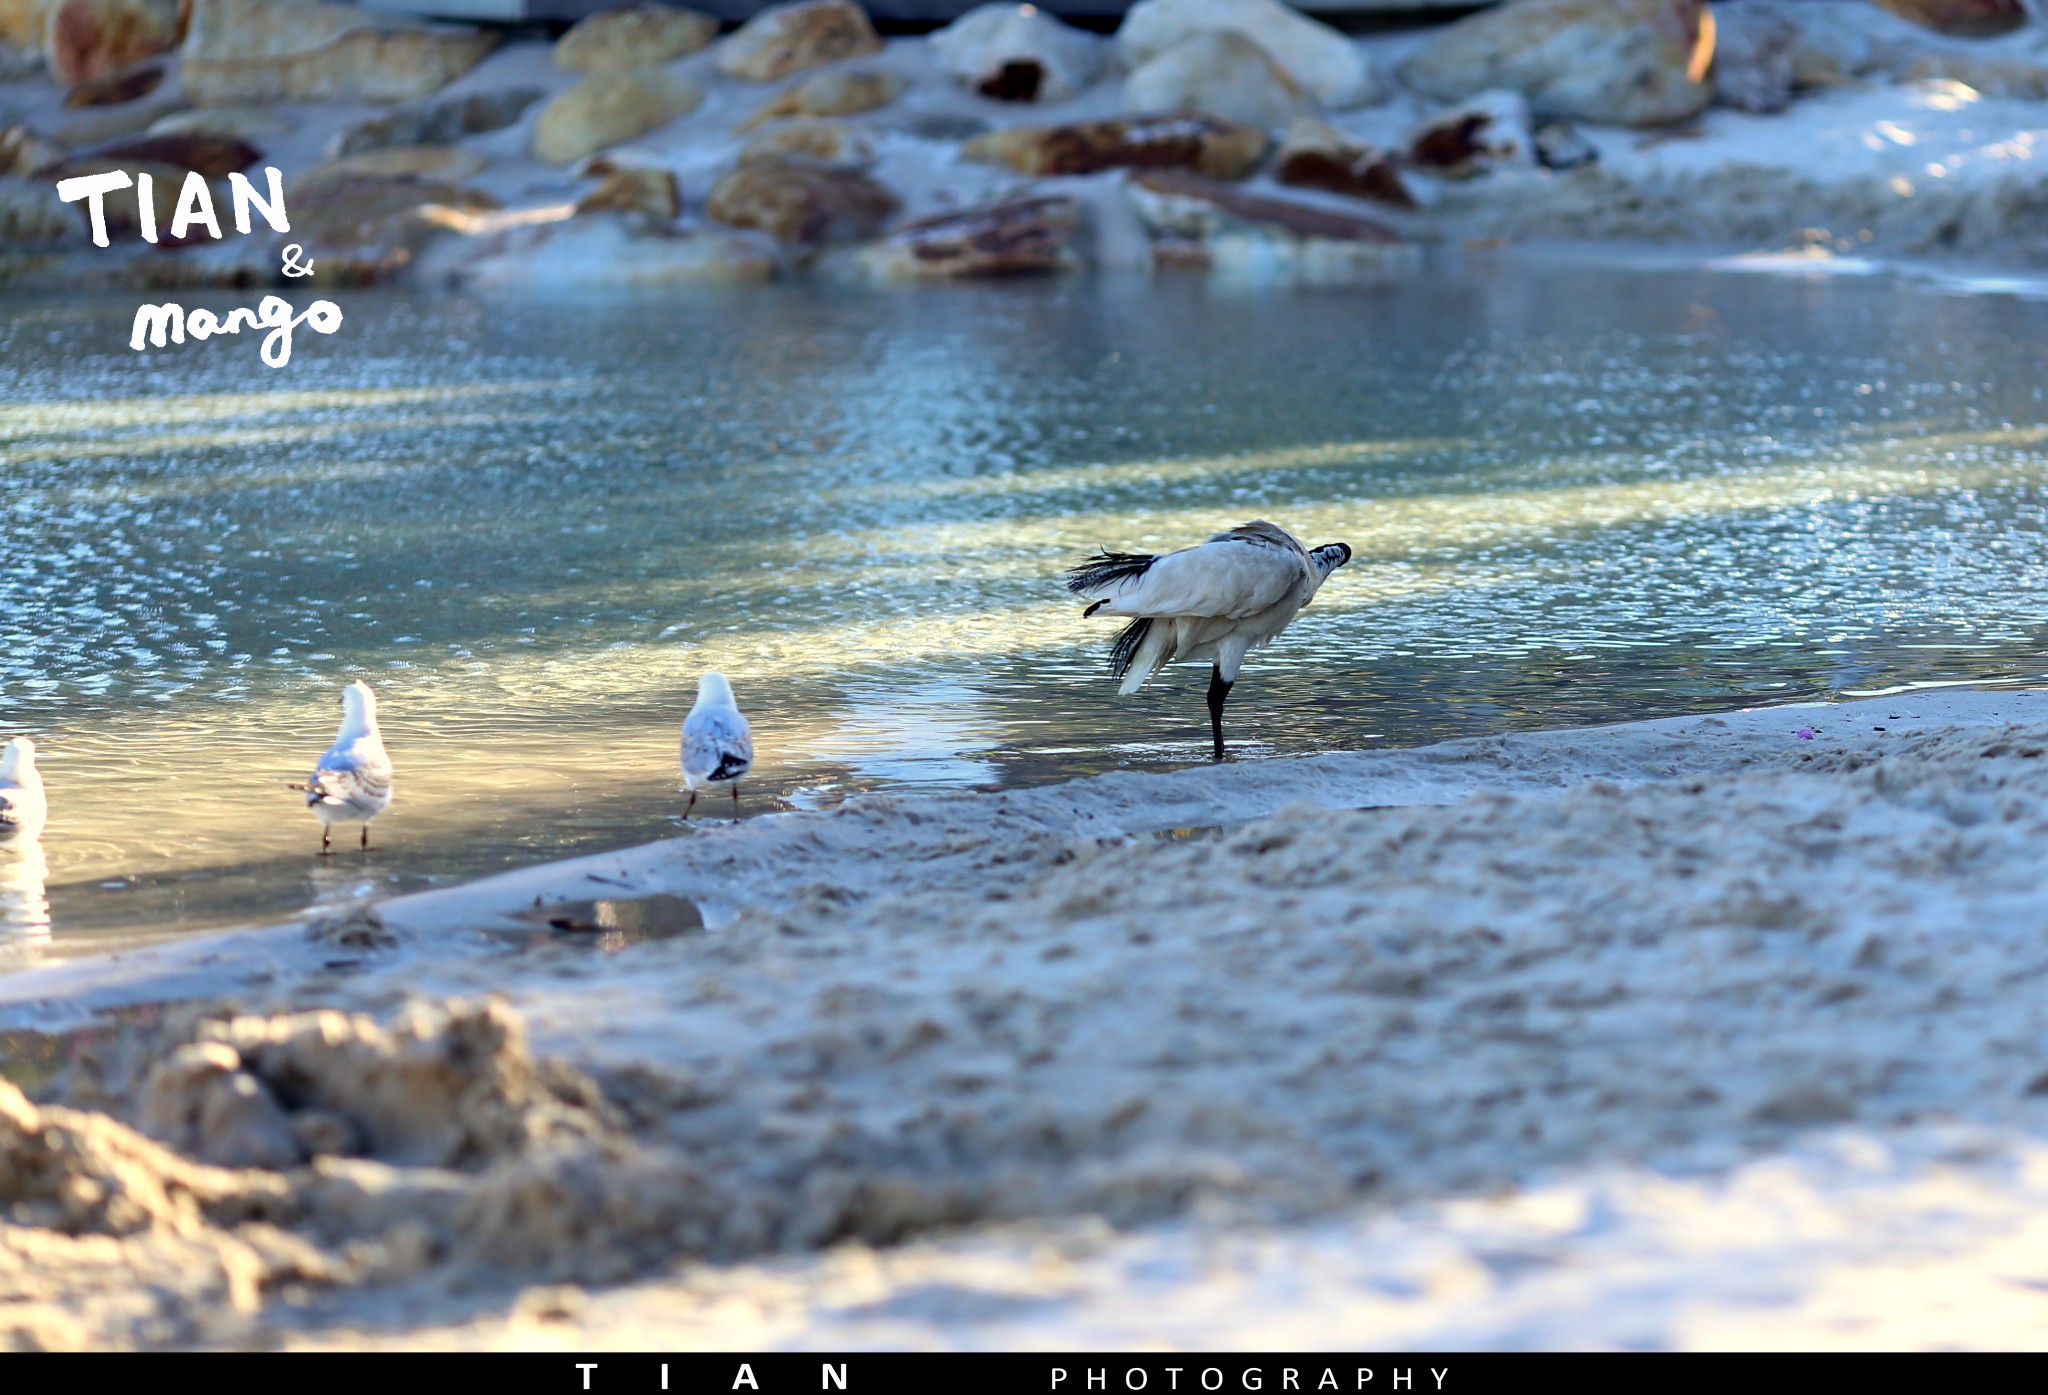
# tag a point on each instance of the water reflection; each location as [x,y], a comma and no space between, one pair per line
[24,901]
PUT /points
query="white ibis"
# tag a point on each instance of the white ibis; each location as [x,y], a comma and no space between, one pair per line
[718,748]
[1214,601]
[352,782]
[23,805]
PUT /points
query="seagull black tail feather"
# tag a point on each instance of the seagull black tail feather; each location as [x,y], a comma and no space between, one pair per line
[1126,647]
[1106,569]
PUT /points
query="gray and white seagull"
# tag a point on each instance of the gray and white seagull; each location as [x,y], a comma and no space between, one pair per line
[352,782]
[1214,601]
[718,746]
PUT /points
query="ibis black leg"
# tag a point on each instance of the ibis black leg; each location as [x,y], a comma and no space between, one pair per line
[1219,693]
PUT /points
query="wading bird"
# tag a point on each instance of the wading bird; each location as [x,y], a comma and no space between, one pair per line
[717,746]
[352,782]
[1214,601]
[23,805]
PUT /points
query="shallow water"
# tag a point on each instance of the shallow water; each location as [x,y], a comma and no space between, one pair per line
[1577,494]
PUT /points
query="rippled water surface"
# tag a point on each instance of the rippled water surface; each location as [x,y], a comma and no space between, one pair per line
[1576,495]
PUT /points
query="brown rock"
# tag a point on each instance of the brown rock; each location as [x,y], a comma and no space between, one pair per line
[1488,132]
[372,229]
[240,51]
[829,143]
[214,156]
[846,93]
[128,85]
[633,36]
[785,39]
[1204,223]
[1315,155]
[451,162]
[21,22]
[606,108]
[1975,19]
[803,204]
[653,192]
[443,121]
[245,123]
[88,39]
[1016,237]
[124,218]
[1206,144]
[23,152]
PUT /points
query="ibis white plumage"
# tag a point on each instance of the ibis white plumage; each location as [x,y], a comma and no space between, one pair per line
[1215,601]
[718,745]
[352,782]
[23,805]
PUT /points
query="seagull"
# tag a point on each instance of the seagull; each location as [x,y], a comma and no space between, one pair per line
[23,805]
[352,782]
[1213,601]
[717,747]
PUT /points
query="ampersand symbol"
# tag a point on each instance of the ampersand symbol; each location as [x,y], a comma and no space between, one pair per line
[292,265]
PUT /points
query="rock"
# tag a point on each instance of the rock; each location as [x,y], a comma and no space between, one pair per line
[366,230]
[84,40]
[1768,51]
[1197,222]
[1318,57]
[1016,237]
[1994,77]
[443,121]
[1221,73]
[633,36]
[22,21]
[114,123]
[452,162]
[214,156]
[23,152]
[124,218]
[201,1102]
[243,51]
[1623,62]
[1206,144]
[1017,53]
[1489,132]
[30,216]
[785,39]
[1971,19]
[831,144]
[116,89]
[947,127]
[243,123]
[607,108]
[608,250]
[1315,155]
[1559,145]
[847,93]
[652,192]
[804,204]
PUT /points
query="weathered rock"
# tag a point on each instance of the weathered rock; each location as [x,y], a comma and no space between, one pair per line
[30,216]
[1768,51]
[846,93]
[633,36]
[443,121]
[368,230]
[635,189]
[88,39]
[123,211]
[1017,53]
[128,85]
[1973,19]
[785,39]
[1317,56]
[1016,237]
[1559,145]
[613,250]
[23,152]
[114,123]
[802,204]
[1625,62]
[832,144]
[22,21]
[1206,144]
[1994,77]
[1197,222]
[1221,73]
[451,162]
[1489,132]
[606,108]
[243,123]
[242,51]
[1315,155]
[214,156]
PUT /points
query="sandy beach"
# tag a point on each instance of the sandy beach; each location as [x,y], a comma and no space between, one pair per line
[1688,1033]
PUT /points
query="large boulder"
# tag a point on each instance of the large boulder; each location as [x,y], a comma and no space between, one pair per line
[785,39]
[442,121]
[848,92]
[606,108]
[804,204]
[1624,62]
[1203,224]
[1317,56]
[243,51]
[1206,144]
[364,230]
[1015,237]
[1316,155]
[1973,19]
[633,36]
[1017,53]
[87,39]
[1221,73]
[831,144]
